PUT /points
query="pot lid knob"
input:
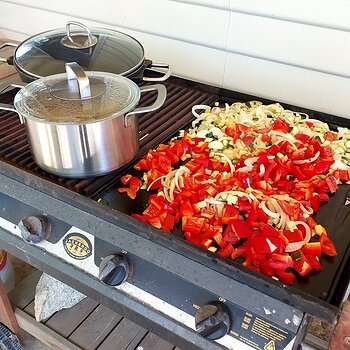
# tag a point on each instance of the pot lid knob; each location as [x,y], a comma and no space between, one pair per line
[78,85]
[78,41]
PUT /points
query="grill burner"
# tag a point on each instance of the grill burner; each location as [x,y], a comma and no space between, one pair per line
[169,278]
[155,127]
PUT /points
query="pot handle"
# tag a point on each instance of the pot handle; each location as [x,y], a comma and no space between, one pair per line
[78,41]
[159,65]
[5,86]
[11,108]
[7,60]
[161,89]
[8,107]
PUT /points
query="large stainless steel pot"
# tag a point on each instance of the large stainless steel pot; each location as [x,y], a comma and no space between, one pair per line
[95,49]
[82,124]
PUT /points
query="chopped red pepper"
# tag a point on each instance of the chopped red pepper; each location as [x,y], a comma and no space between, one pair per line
[327,247]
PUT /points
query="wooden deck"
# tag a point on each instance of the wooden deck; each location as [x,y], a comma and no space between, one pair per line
[86,326]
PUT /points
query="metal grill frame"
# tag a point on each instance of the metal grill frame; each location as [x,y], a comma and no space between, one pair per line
[166,250]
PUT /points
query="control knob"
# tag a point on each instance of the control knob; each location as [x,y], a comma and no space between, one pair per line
[212,321]
[114,270]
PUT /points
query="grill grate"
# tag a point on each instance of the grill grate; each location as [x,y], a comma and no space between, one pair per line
[155,127]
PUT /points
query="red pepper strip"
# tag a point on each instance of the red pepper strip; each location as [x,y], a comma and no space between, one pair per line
[279,125]
[230,235]
[315,202]
[135,183]
[327,247]
[242,229]
[312,248]
[332,184]
[314,262]
[285,277]
[279,261]
[229,213]
[194,225]
[129,191]
[300,263]
[227,251]
[126,179]
[219,240]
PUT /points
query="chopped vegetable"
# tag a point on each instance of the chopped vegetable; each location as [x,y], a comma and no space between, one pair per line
[244,182]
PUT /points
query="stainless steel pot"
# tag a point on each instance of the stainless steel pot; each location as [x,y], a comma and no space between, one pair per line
[95,49]
[82,124]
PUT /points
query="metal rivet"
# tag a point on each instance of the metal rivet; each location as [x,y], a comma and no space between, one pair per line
[347,340]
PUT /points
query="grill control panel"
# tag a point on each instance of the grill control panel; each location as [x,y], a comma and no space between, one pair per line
[253,326]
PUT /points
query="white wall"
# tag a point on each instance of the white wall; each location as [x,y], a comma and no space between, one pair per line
[293,51]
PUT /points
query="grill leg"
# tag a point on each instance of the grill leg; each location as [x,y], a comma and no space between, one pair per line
[7,317]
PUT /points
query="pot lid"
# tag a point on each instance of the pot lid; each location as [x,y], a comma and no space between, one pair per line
[77,97]
[97,49]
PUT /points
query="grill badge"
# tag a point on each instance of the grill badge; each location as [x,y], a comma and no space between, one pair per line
[77,246]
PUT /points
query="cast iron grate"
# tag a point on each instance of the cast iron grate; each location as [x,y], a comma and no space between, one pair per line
[155,127]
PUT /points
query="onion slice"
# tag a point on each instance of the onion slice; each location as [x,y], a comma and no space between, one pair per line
[310,160]
[292,247]
[232,167]
[235,193]
[267,211]
[194,108]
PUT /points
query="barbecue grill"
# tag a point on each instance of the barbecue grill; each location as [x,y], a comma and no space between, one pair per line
[155,279]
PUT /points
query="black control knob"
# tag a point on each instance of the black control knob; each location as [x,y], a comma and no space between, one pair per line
[212,321]
[35,229]
[114,270]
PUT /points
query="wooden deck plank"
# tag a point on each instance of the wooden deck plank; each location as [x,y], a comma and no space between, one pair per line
[93,331]
[126,336]
[24,292]
[153,342]
[43,333]
[29,309]
[66,321]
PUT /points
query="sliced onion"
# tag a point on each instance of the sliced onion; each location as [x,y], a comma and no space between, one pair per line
[281,134]
[292,247]
[290,142]
[250,161]
[267,211]
[340,165]
[171,191]
[154,181]
[304,210]
[232,167]
[271,245]
[262,170]
[310,160]
[180,171]
[235,193]
[315,121]
[213,201]
[245,169]
[194,108]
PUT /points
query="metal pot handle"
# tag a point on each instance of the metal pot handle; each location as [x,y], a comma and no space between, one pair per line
[5,86]
[3,59]
[78,41]
[11,108]
[162,92]
[159,65]
[8,107]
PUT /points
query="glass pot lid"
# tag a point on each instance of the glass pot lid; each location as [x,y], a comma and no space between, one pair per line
[77,97]
[94,49]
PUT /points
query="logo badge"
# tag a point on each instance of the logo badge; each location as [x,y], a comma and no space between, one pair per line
[77,246]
